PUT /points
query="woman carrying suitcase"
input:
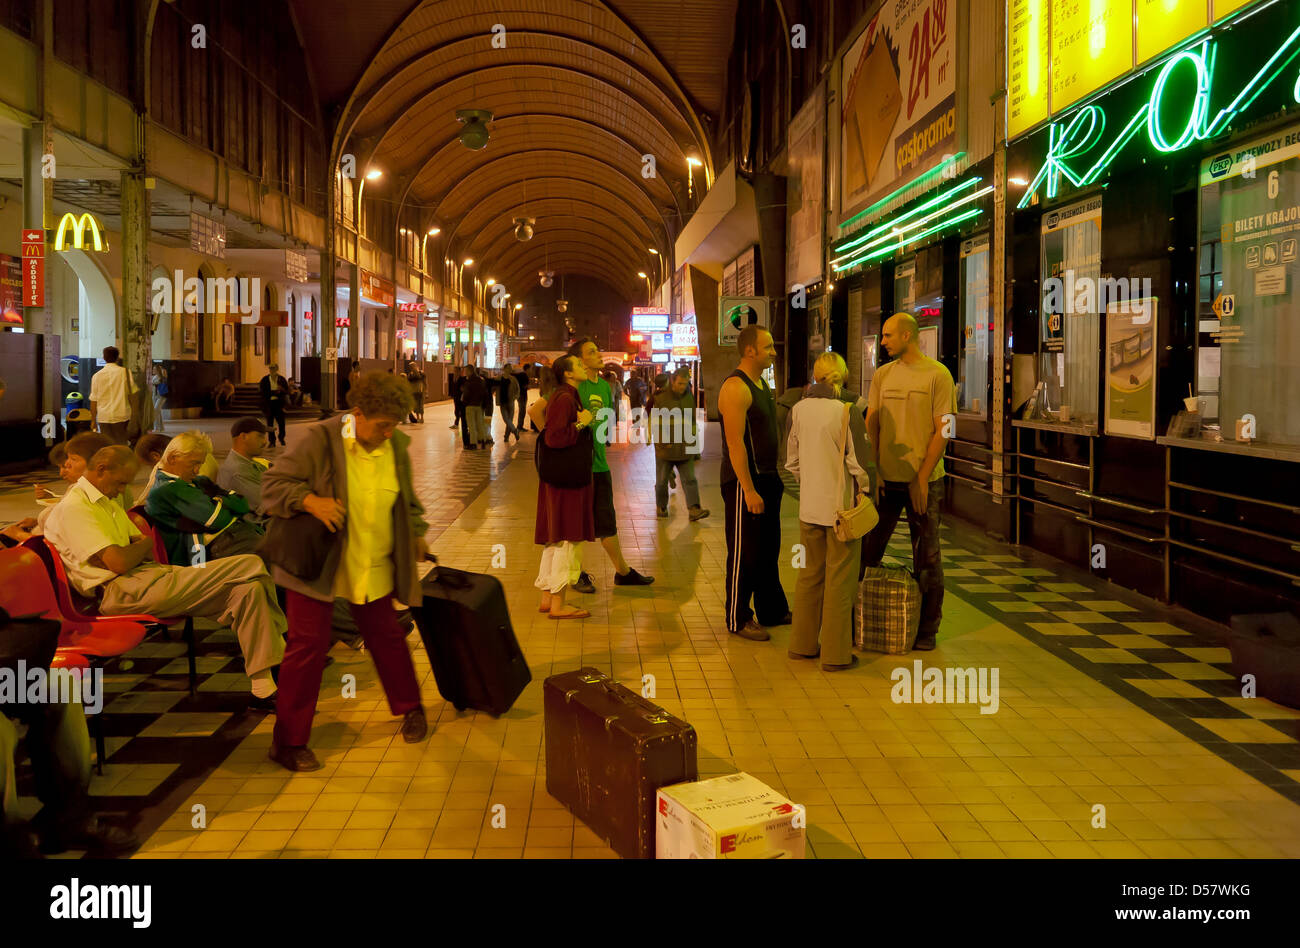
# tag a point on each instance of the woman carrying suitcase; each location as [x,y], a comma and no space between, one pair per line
[351,473]
[564,514]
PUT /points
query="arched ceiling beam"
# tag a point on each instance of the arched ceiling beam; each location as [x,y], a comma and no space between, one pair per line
[609,238]
[561,208]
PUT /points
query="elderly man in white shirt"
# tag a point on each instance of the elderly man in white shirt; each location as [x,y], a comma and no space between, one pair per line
[106,557]
[110,397]
[820,459]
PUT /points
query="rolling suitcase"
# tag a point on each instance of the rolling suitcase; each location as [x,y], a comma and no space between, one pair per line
[608,751]
[889,610]
[466,629]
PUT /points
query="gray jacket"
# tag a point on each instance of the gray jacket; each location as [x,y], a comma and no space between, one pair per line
[316,465]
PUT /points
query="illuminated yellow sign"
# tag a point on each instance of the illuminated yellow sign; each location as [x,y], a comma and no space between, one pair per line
[78,227]
[1092,44]
[1027,62]
[1062,51]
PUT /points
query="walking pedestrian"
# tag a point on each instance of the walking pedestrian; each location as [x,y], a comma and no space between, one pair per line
[415,375]
[911,402]
[111,389]
[521,376]
[473,392]
[458,404]
[159,382]
[274,389]
[353,474]
[675,432]
[565,517]
[822,455]
[507,395]
[752,490]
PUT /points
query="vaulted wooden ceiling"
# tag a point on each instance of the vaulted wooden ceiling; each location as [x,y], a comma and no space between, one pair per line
[580,90]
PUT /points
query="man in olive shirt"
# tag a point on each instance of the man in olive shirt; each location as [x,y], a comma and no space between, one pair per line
[909,413]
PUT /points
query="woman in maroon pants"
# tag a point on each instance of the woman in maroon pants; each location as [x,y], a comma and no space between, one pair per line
[352,473]
[564,514]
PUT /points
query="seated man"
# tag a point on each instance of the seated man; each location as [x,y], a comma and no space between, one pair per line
[192,511]
[149,449]
[58,746]
[72,458]
[106,558]
[242,469]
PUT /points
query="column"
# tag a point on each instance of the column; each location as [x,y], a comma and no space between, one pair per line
[137,320]
[38,194]
[325,334]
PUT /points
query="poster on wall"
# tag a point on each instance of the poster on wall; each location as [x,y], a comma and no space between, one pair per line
[1131,368]
[929,341]
[804,192]
[189,334]
[898,99]
[11,290]
[227,339]
[870,354]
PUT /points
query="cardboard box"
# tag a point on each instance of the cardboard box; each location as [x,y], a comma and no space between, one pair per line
[732,817]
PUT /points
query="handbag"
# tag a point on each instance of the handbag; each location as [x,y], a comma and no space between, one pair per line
[568,468]
[299,545]
[858,520]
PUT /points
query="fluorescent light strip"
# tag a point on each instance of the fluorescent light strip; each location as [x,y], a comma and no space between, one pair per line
[890,225]
[892,236]
[915,181]
[892,248]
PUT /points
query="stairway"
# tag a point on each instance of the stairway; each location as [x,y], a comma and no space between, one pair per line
[247,400]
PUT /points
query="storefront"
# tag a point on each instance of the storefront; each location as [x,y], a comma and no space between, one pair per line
[1153,229]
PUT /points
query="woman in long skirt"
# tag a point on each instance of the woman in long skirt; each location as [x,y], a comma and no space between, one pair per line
[564,514]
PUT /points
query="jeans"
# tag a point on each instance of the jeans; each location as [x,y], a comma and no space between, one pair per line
[689,484]
[508,416]
[927,559]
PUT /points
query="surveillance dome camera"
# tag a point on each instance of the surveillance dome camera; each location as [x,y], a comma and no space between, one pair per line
[524,227]
[474,135]
[546,277]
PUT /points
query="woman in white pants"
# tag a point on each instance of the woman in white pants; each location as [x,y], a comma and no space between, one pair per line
[822,455]
[565,517]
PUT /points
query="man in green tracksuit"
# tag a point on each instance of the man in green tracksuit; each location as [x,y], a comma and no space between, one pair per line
[199,521]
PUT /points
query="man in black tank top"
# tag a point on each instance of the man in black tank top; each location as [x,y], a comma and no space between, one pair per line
[752,490]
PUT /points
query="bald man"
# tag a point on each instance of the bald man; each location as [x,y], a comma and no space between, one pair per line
[909,414]
[108,559]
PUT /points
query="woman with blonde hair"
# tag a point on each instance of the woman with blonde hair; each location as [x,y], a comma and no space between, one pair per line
[822,452]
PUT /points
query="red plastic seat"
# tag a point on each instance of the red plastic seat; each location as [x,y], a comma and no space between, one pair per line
[28,586]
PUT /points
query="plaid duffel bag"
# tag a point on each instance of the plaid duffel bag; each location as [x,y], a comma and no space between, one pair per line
[889,610]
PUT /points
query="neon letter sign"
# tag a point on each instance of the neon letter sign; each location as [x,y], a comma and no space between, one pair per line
[1071,140]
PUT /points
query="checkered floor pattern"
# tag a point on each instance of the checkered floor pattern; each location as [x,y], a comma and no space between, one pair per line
[1180,673]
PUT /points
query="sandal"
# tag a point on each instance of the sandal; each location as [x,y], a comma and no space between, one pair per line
[579,614]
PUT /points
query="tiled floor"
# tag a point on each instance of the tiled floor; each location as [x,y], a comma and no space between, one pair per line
[1118,731]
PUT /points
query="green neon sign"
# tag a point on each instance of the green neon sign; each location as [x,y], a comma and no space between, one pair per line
[1070,141]
[871,254]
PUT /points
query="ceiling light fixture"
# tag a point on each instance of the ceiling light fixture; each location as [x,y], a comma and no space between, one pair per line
[524,227]
[474,135]
[373,174]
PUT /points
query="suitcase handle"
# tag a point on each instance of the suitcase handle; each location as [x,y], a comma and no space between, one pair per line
[651,714]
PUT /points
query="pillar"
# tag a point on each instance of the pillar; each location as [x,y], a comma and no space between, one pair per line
[325,334]
[136,331]
[38,194]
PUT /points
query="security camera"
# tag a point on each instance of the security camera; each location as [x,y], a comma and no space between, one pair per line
[524,228]
[547,277]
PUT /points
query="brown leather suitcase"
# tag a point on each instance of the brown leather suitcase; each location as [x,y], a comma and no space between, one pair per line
[608,751]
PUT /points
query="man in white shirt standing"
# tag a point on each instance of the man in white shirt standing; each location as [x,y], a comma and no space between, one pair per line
[106,557]
[111,389]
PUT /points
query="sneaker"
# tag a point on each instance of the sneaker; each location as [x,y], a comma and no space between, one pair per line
[663,513]
[697,513]
[632,578]
[753,631]
[924,643]
[584,584]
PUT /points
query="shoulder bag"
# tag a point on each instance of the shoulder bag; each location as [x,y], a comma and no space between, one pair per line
[569,467]
[858,520]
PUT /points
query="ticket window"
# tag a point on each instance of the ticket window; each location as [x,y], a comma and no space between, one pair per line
[1070,332]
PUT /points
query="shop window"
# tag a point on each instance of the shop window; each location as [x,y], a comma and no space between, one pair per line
[1248,352]
[1070,330]
[976,316]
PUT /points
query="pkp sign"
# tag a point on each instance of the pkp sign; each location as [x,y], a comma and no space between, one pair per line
[33,268]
